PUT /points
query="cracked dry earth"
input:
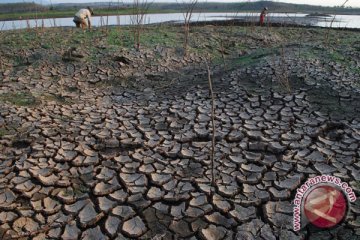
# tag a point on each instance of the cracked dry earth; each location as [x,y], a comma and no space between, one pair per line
[134,165]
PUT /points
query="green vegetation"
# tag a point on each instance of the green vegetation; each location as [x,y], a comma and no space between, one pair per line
[337,56]
[123,37]
[310,54]
[355,70]
[247,59]
[24,40]
[256,56]
[19,99]
[163,37]
[232,46]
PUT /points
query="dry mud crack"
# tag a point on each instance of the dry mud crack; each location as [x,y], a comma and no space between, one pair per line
[113,163]
[142,170]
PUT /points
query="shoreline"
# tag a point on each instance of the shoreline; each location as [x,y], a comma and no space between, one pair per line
[229,22]
[56,15]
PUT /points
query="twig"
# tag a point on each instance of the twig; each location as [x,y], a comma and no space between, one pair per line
[284,78]
[187,14]
[331,23]
[140,9]
[212,156]
[3,25]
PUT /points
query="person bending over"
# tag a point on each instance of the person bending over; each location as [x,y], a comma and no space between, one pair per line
[83,18]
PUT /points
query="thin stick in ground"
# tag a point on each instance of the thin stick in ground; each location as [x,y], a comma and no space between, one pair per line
[212,155]
[140,9]
[189,7]
[331,23]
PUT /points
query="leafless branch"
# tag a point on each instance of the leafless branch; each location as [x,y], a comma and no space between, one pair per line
[283,73]
[3,25]
[188,11]
[212,156]
[140,9]
[331,24]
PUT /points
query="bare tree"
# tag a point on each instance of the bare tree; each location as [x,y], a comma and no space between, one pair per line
[118,15]
[331,24]
[107,17]
[140,9]
[281,71]
[189,7]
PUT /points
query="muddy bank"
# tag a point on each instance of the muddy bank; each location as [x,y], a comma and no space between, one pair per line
[100,140]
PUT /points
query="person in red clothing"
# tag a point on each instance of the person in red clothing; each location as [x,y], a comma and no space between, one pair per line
[262,15]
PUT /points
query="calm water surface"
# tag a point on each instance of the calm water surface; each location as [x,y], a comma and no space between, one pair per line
[343,21]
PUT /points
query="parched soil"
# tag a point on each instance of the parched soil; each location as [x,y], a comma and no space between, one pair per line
[101,141]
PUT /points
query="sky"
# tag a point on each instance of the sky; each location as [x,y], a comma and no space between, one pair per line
[352,3]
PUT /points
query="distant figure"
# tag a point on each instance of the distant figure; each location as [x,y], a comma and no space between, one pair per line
[262,15]
[83,18]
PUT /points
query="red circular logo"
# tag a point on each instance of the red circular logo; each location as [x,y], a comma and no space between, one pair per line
[325,206]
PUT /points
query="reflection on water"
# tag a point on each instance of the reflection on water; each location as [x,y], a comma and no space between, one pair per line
[348,21]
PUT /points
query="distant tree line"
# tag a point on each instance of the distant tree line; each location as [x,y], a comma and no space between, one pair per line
[22,7]
[258,6]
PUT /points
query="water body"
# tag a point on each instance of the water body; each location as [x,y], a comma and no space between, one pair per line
[341,21]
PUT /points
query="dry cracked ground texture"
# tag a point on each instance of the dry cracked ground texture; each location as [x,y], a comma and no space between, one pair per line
[127,164]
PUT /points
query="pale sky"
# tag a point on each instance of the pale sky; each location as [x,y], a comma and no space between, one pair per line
[352,3]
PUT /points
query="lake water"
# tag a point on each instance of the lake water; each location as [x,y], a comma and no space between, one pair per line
[343,21]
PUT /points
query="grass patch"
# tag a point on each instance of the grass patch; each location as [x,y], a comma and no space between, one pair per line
[150,37]
[122,38]
[355,70]
[336,56]
[19,99]
[46,46]
[77,36]
[308,55]
[21,39]
[255,57]
[166,36]
[246,60]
